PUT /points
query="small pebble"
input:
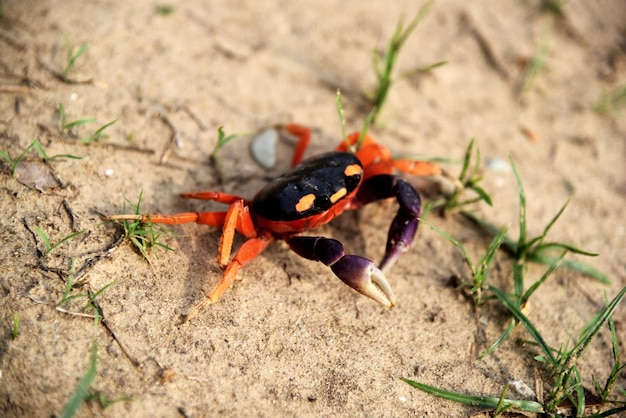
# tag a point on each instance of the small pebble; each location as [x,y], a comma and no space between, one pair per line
[263,148]
[498,164]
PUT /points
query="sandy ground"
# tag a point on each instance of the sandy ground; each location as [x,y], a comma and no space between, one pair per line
[290,339]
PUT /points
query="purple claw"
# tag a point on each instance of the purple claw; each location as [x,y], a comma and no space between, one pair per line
[399,240]
[357,272]
[404,225]
[363,276]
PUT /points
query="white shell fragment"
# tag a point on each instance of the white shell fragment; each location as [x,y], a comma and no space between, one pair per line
[498,164]
[523,389]
[263,148]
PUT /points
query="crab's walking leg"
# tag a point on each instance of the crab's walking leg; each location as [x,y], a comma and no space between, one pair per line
[217,196]
[204,218]
[404,225]
[357,272]
[417,168]
[237,219]
[248,251]
[304,137]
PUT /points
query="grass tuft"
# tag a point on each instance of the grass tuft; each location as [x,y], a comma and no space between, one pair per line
[477,401]
[15,325]
[144,235]
[72,54]
[567,384]
[48,247]
[384,63]
[82,389]
[36,145]
[222,140]
[610,102]
[470,177]
[66,126]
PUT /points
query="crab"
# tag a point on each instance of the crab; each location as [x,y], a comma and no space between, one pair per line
[309,195]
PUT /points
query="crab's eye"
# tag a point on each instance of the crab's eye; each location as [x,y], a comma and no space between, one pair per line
[322,202]
[352,181]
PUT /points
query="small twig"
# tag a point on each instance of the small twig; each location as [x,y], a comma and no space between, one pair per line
[61,77]
[34,234]
[12,42]
[194,116]
[175,137]
[131,148]
[73,220]
[15,89]
[136,363]
[485,47]
[39,301]
[81,314]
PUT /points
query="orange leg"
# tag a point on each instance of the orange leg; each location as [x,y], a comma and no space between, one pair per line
[237,219]
[204,218]
[352,139]
[417,168]
[217,196]
[246,253]
[304,137]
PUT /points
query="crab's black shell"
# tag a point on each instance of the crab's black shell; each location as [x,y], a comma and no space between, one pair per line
[323,176]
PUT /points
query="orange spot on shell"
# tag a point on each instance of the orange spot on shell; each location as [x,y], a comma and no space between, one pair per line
[353,170]
[305,202]
[338,195]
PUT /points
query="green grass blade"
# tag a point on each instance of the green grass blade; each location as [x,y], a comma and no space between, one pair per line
[466,161]
[67,238]
[509,329]
[611,101]
[538,257]
[342,118]
[485,262]
[543,278]
[540,238]
[519,272]
[15,328]
[81,391]
[39,148]
[617,364]
[101,291]
[72,56]
[8,159]
[420,15]
[222,139]
[78,122]
[365,128]
[557,245]
[507,243]
[99,134]
[478,401]
[62,115]
[422,70]
[44,238]
[22,155]
[483,195]
[69,283]
[530,327]
[580,392]
[596,324]
[456,243]
[570,264]
[610,412]
[521,243]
